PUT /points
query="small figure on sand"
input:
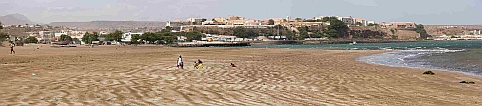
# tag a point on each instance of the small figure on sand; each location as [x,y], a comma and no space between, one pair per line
[195,64]
[11,48]
[232,65]
[180,63]
[199,64]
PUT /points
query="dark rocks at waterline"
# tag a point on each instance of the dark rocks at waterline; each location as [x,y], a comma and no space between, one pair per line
[467,82]
[429,73]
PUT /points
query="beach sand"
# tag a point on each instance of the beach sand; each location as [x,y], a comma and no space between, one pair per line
[128,75]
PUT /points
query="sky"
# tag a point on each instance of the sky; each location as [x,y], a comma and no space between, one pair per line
[454,12]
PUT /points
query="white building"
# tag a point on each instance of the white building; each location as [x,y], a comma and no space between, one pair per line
[76,34]
[347,20]
[58,34]
[128,36]
[362,21]
[477,32]
[371,22]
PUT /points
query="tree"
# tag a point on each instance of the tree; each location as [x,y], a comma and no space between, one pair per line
[378,36]
[394,37]
[357,36]
[76,39]
[65,38]
[1,25]
[240,32]
[421,30]
[298,19]
[393,31]
[31,39]
[303,32]
[114,36]
[316,34]
[3,36]
[339,26]
[88,38]
[193,36]
[328,19]
[290,35]
[359,24]
[135,38]
[150,37]
[270,22]
[167,29]
[330,33]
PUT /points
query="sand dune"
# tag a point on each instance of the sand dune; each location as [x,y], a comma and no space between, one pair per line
[148,76]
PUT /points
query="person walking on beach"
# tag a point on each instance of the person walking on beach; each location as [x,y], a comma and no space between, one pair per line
[11,48]
[179,62]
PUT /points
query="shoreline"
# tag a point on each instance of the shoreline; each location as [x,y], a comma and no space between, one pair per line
[131,75]
[364,60]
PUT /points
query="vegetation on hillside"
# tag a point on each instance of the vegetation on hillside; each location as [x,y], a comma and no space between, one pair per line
[421,30]
[270,22]
[242,32]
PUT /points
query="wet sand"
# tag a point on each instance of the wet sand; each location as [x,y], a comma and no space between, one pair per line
[148,76]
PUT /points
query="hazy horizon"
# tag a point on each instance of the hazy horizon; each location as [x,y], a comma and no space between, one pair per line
[449,12]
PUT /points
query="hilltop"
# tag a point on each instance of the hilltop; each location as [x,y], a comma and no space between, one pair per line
[15,19]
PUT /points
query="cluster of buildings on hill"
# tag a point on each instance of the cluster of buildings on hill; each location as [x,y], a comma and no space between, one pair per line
[53,33]
[233,21]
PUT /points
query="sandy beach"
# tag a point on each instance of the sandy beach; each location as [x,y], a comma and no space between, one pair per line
[128,75]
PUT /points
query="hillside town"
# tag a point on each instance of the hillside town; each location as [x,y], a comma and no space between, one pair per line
[224,29]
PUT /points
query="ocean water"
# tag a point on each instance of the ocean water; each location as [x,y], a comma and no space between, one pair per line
[460,56]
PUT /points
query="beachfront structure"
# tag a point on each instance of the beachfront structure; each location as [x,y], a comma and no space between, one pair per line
[477,32]
[126,37]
